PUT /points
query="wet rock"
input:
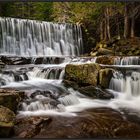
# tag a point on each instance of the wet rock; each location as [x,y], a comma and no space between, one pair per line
[15,60]
[84,74]
[91,123]
[105,76]
[7,118]
[28,127]
[72,84]
[95,92]
[10,98]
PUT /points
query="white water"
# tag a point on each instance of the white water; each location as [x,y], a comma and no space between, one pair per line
[131,60]
[23,37]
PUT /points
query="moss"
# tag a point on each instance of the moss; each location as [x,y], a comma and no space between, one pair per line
[84,73]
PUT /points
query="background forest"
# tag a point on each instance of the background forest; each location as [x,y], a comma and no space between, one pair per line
[99,21]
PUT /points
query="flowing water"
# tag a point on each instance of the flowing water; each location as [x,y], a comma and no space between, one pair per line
[48,48]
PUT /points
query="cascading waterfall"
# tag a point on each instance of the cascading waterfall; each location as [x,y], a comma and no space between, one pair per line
[131,60]
[25,37]
[128,83]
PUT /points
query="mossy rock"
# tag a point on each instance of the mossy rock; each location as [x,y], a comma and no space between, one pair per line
[83,74]
[10,98]
[7,118]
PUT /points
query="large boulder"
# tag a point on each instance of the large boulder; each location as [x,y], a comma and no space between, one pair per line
[7,118]
[105,76]
[84,74]
[10,98]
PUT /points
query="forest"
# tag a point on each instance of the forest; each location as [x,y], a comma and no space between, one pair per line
[100,21]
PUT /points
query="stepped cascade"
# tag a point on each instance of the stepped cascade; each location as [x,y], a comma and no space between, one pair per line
[25,37]
[37,53]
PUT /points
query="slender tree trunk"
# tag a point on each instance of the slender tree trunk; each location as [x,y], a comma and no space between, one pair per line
[101,31]
[105,30]
[126,21]
[132,30]
[118,27]
[108,25]
[132,27]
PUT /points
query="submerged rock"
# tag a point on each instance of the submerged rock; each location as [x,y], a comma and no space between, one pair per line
[7,118]
[84,74]
[10,98]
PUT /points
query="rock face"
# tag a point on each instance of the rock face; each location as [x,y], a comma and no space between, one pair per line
[92,123]
[83,74]
[7,118]
[105,76]
[10,98]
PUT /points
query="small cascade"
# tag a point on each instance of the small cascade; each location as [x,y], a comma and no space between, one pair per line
[23,37]
[8,77]
[131,60]
[128,83]
[69,100]
[47,73]
[47,100]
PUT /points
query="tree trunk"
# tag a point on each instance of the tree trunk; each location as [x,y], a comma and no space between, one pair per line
[101,31]
[107,25]
[118,27]
[105,30]
[126,21]
[132,30]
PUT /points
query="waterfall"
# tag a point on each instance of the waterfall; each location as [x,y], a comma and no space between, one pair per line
[128,83]
[23,37]
[131,60]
